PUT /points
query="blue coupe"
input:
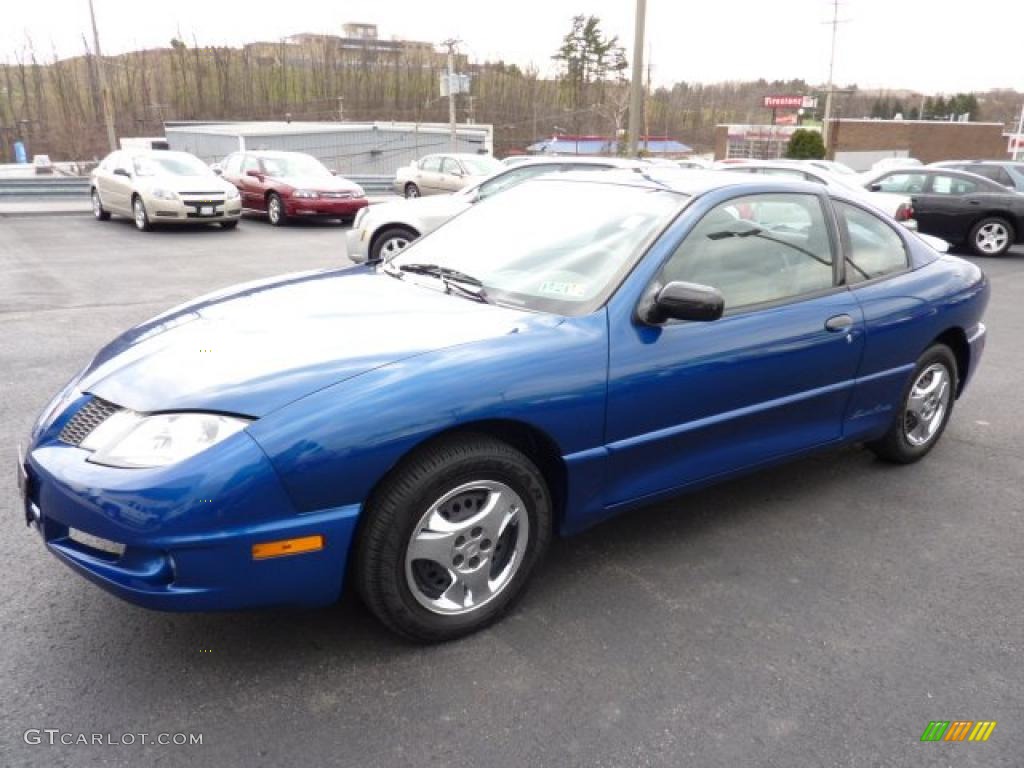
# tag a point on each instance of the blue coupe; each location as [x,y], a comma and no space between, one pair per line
[577,346]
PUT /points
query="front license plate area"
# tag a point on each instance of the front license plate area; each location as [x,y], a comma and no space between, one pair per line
[206,210]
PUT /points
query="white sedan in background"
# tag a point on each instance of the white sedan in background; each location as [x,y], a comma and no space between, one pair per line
[443,174]
[382,230]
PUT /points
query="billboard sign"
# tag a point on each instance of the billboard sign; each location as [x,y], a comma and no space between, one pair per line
[790,102]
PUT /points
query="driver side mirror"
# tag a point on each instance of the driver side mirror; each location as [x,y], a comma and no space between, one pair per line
[875,188]
[255,174]
[217,168]
[122,172]
[681,301]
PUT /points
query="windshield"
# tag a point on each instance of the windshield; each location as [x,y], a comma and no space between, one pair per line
[481,165]
[572,243]
[293,165]
[173,164]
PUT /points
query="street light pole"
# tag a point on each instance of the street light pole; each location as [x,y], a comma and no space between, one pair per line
[825,128]
[108,105]
[1020,134]
[451,92]
[636,86]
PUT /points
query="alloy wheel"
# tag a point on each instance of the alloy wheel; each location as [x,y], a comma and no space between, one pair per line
[927,405]
[274,210]
[140,213]
[97,206]
[392,247]
[467,547]
[992,238]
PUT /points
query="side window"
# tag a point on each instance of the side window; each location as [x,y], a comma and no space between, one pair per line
[233,165]
[903,183]
[450,166]
[511,178]
[756,249]
[952,185]
[431,164]
[993,172]
[875,249]
[251,163]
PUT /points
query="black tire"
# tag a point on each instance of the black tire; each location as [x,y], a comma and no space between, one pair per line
[101,213]
[396,508]
[140,215]
[976,239]
[276,213]
[229,224]
[412,191]
[380,249]
[895,446]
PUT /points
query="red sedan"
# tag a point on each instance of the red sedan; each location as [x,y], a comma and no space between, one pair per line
[291,185]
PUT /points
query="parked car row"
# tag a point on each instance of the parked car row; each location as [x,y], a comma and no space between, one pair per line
[166,187]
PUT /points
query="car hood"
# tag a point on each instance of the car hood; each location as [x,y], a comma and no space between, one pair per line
[254,348]
[318,183]
[420,208]
[182,184]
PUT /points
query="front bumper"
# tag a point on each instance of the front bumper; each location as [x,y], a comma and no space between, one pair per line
[192,211]
[324,206]
[187,531]
[357,242]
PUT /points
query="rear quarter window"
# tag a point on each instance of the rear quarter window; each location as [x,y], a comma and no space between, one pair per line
[875,249]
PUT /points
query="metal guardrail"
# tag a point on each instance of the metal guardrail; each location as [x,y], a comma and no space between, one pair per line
[62,186]
[45,186]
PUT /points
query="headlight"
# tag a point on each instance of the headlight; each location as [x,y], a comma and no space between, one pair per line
[359,192]
[129,439]
[305,193]
[163,194]
[232,193]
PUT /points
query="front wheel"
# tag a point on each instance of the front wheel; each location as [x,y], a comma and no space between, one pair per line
[451,538]
[991,237]
[139,215]
[101,213]
[411,191]
[924,410]
[275,210]
[390,243]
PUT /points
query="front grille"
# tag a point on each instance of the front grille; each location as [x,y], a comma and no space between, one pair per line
[89,416]
[337,195]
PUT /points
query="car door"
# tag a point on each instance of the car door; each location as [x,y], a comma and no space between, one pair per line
[428,175]
[453,175]
[251,187]
[120,184]
[690,400]
[948,206]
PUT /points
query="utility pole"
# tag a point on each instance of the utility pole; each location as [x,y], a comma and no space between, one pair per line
[1020,134]
[450,44]
[825,128]
[108,106]
[647,99]
[636,86]
[341,109]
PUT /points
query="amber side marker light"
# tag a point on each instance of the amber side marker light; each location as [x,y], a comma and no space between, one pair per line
[297,546]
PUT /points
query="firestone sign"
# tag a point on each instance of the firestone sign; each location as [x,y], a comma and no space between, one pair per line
[790,102]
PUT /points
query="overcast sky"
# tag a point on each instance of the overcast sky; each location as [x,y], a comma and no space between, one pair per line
[932,45]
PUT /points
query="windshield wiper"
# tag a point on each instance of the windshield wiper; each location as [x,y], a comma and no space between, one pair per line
[451,278]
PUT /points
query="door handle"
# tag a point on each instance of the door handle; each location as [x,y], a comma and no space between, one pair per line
[974,202]
[839,323]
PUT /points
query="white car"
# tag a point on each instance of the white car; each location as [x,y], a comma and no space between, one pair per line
[899,207]
[381,231]
[443,174]
[162,187]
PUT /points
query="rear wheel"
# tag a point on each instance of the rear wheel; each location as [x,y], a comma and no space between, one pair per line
[411,190]
[139,214]
[924,410]
[98,210]
[991,237]
[275,210]
[451,538]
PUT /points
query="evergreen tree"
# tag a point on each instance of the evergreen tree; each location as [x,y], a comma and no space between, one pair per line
[805,145]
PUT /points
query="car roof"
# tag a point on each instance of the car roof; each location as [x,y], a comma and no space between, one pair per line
[947,163]
[274,153]
[613,162]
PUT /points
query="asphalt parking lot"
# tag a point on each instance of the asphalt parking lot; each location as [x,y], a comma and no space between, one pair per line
[820,614]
